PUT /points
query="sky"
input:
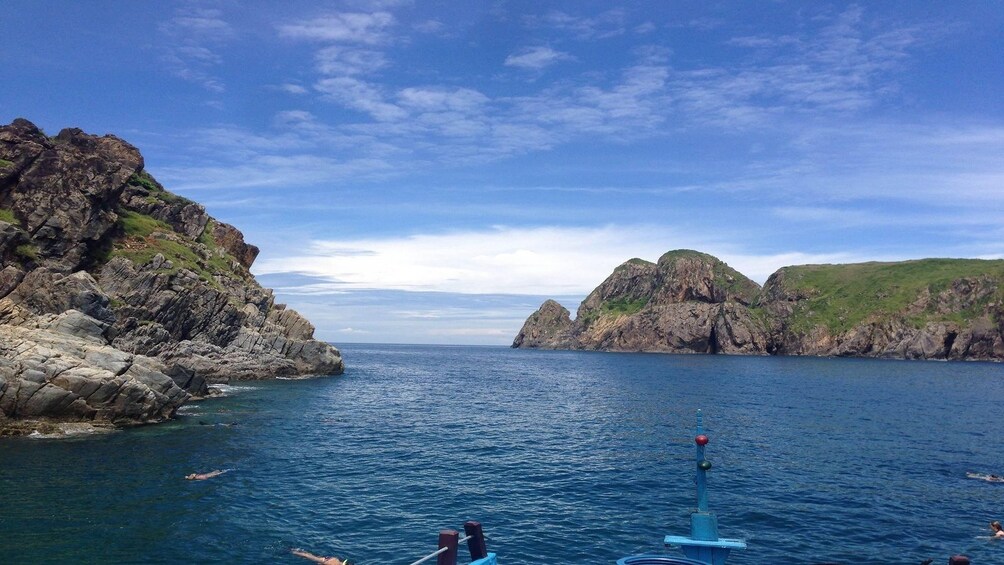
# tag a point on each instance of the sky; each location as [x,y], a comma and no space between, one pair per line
[432,171]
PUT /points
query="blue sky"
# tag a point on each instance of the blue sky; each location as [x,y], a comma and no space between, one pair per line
[431,171]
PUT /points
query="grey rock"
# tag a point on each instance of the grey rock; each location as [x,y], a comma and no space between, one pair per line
[60,376]
[107,276]
[547,328]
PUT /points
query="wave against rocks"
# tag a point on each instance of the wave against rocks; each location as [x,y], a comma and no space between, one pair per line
[119,300]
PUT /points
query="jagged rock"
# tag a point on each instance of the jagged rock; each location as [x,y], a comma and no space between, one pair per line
[11,237]
[45,291]
[690,302]
[65,194]
[10,277]
[546,328]
[101,254]
[229,238]
[47,372]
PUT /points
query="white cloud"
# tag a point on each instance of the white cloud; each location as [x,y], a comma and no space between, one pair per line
[545,261]
[359,95]
[842,68]
[291,88]
[608,24]
[190,41]
[340,60]
[363,28]
[204,24]
[536,58]
[441,99]
[429,26]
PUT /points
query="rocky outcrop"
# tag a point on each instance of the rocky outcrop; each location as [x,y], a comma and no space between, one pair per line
[60,367]
[688,302]
[692,303]
[948,309]
[118,299]
[548,327]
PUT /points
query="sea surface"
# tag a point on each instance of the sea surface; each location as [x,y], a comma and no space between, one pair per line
[565,457]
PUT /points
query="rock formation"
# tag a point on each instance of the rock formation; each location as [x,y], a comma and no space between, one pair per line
[691,302]
[688,302]
[120,300]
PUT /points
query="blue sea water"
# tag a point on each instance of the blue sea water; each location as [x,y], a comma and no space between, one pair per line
[565,457]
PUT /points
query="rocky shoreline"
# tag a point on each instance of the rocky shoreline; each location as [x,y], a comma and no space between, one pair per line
[691,302]
[120,301]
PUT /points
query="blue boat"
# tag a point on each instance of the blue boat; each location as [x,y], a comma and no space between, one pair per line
[702,546]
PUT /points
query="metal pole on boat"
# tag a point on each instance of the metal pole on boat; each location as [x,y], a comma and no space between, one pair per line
[475,540]
[703,465]
[704,545]
[703,524]
[448,539]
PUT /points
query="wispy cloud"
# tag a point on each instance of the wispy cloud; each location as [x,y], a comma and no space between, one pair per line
[342,60]
[432,26]
[292,88]
[844,67]
[191,39]
[356,27]
[536,58]
[602,26]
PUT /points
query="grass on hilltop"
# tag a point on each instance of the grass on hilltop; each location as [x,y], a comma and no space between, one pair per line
[140,246]
[157,193]
[840,297]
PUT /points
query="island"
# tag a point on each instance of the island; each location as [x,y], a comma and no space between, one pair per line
[692,302]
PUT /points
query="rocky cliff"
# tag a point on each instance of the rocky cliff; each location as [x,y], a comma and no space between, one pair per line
[690,302]
[120,300]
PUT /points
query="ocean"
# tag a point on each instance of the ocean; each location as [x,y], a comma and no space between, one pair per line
[564,457]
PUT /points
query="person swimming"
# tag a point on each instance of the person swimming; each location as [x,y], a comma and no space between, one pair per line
[318,558]
[204,476]
[996,528]
[984,477]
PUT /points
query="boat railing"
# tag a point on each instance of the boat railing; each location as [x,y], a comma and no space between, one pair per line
[449,545]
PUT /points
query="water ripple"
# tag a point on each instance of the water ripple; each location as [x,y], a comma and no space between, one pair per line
[565,457]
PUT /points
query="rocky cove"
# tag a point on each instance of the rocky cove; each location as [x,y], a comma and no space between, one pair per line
[119,300]
[692,302]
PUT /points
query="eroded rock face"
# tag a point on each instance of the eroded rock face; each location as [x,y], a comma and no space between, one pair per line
[964,321]
[688,302]
[60,367]
[119,299]
[63,187]
[546,328]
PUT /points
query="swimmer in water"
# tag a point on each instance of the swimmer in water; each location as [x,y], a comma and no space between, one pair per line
[204,476]
[996,528]
[318,558]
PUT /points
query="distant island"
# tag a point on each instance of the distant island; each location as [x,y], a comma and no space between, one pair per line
[119,300]
[691,302]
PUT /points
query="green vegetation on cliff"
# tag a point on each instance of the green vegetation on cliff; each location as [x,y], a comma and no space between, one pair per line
[142,243]
[839,297]
[623,306]
[634,261]
[8,216]
[157,193]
